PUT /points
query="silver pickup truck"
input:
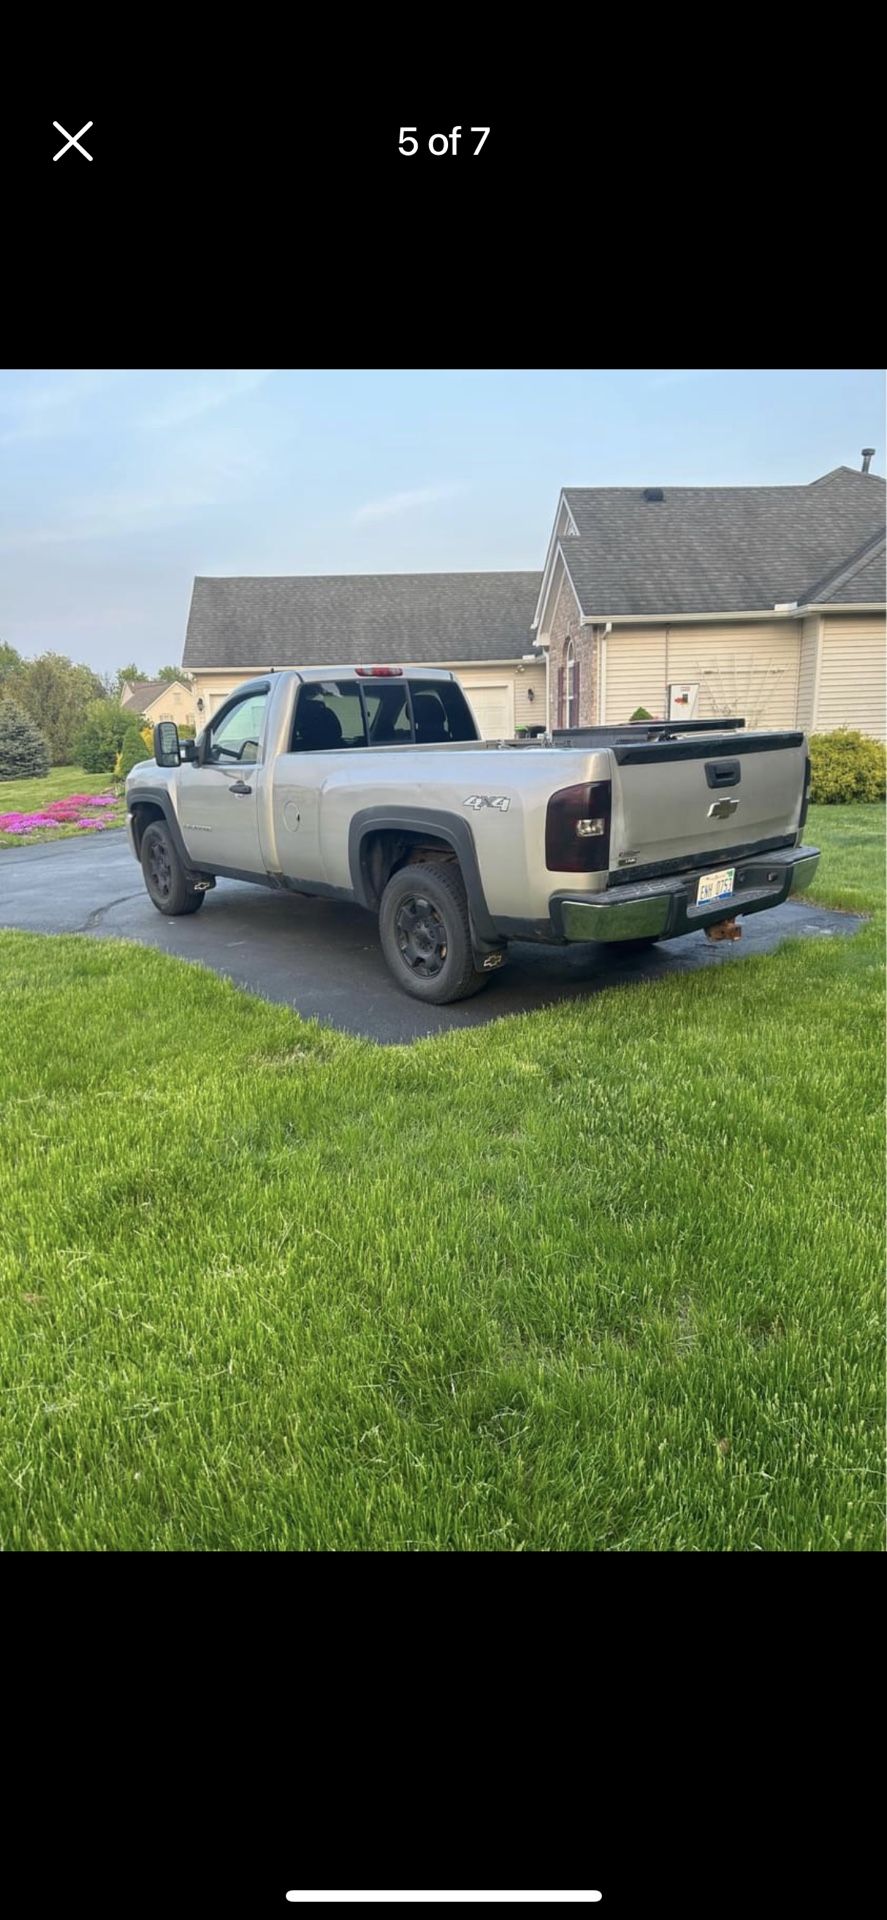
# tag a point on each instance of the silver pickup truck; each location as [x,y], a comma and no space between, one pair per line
[371,784]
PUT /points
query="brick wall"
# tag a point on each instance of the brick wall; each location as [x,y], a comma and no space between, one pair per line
[565,625]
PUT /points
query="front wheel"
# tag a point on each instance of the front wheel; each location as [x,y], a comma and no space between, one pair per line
[164,874]
[426,935]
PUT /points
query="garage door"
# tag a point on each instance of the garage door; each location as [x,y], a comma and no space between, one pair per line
[493,707]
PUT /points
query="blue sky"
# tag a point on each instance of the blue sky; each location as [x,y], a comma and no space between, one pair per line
[117,487]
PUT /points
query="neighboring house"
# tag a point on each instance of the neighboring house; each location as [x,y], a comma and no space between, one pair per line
[765,602]
[477,624]
[160,700]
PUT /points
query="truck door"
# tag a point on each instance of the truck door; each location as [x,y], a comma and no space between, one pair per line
[328,727]
[218,805]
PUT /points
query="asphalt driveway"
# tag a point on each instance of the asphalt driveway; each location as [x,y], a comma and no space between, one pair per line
[324,959]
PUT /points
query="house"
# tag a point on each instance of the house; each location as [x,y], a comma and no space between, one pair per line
[767,602]
[160,700]
[476,624]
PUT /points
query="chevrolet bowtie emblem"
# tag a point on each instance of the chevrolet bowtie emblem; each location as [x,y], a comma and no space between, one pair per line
[722,809]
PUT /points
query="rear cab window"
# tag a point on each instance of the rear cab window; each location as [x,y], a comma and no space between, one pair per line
[441,711]
[329,715]
[332,714]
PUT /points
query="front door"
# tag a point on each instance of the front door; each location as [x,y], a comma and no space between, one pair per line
[218,804]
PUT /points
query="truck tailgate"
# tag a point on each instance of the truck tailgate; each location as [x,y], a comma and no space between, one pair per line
[695,801]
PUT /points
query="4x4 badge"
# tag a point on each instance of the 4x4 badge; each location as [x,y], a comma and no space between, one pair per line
[477,800]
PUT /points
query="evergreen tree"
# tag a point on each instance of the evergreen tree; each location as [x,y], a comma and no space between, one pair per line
[24,753]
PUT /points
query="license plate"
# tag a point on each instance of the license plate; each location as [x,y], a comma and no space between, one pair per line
[715,886]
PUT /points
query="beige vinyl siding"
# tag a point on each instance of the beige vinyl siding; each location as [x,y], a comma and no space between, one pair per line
[634,674]
[749,671]
[527,713]
[176,702]
[807,669]
[213,689]
[852,675]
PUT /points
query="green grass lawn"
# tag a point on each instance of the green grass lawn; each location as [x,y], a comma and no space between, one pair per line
[28,796]
[604,1277]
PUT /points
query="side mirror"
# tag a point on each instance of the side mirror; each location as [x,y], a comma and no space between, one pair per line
[166,744]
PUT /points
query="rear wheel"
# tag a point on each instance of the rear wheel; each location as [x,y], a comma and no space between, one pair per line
[164,874]
[426,935]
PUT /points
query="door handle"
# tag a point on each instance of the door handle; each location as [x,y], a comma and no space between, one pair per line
[723,773]
[240,787]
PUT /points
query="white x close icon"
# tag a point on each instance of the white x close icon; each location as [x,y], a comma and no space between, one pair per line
[73,140]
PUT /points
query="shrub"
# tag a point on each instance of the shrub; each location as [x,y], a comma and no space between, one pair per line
[101,735]
[24,754]
[131,752]
[847,766]
[640,713]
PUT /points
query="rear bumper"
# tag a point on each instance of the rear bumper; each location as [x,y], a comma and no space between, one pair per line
[663,909]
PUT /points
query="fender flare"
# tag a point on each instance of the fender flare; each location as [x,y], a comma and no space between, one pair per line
[159,797]
[445,826]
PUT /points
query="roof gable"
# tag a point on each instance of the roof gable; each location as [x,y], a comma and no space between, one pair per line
[141,693]
[716,549]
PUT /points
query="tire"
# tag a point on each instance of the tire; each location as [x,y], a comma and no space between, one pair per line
[426,934]
[164,875]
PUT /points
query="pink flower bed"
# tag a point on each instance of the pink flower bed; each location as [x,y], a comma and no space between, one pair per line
[61,813]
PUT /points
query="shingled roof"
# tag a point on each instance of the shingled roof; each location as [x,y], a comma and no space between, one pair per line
[141,693]
[723,549]
[315,620]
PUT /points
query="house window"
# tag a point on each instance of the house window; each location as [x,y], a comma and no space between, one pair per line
[571,717]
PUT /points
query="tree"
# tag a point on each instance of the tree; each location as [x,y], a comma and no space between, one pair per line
[24,753]
[56,694]
[101,735]
[173,673]
[10,662]
[132,751]
[130,673]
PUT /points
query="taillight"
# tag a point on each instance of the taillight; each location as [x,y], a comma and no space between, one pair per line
[379,673]
[577,829]
[808,778]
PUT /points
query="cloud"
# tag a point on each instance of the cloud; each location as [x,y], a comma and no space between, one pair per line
[107,516]
[39,412]
[394,504]
[212,391]
[210,469]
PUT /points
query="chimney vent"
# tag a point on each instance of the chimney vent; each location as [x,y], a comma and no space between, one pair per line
[868,454]
[656,493]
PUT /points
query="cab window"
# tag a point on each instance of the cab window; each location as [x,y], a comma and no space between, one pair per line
[329,715]
[388,713]
[235,736]
[441,712]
